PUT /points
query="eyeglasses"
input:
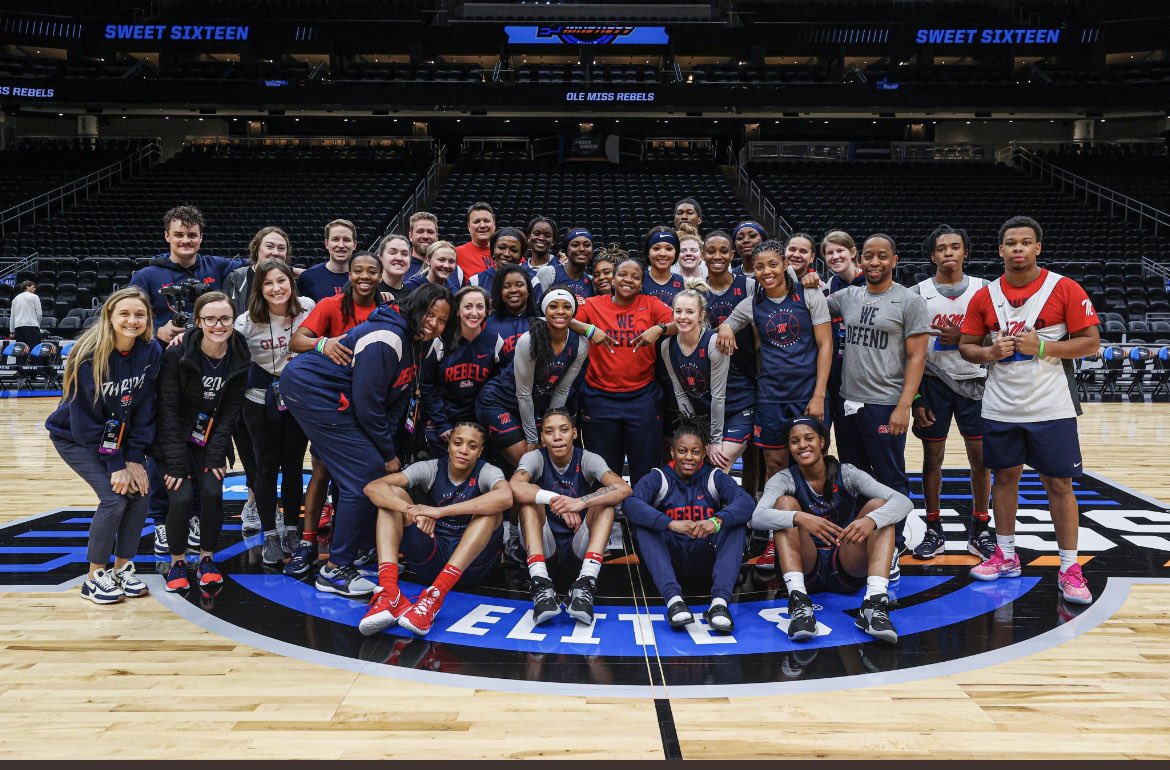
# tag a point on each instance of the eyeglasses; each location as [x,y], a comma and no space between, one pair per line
[223,321]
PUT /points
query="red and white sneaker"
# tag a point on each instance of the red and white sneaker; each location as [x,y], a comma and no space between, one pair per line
[766,561]
[1073,586]
[385,610]
[326,520]
[421,616]
[997,567]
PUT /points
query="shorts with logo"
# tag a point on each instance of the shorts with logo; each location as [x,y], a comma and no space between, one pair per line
[772,421]
[739,427]
[1052,447]
[946,405]
[426,555]
[502,424]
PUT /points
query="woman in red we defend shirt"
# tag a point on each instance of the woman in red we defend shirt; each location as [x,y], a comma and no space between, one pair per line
[622,405]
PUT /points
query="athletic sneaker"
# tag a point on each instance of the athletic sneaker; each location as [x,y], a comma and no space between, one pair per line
[767,560]
[421,617]
[290,540]
[271,553]
[385,610]
[102,588]
[802,622]
[513,551]
[545,605]
[581,595]
[933,543]
[679,614]
[303,559]
[1073,587]
[193,535]
[874,619]
[279,520]
[997,567]
[718,617]
[250,517]
[129,581]
[366,558]
[210,578]
[895,567]
[160,541]
[326,520]
[177,577]
[344,581]
[982,544]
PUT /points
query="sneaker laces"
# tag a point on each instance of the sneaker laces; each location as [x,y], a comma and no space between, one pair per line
[105,581]
[544,592]
[1074,577]
[584,588]
[801,611]
[427,600]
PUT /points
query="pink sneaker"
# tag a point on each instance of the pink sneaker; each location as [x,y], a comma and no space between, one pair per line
[1073,586]
[996,567]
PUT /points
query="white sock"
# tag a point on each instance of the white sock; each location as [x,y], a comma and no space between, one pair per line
[1007,544]
[794,581]
[537,569]
[875,585]
[686,610]
[590,568]
[717,601]
[1067,558]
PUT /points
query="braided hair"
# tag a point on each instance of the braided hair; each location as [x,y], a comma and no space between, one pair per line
[777,248]
[348,314]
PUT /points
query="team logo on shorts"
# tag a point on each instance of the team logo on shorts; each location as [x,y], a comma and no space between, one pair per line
[484,636]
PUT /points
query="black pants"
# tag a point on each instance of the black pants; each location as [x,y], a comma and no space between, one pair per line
[29,335]
[182,499]
[245,451]
[280,448]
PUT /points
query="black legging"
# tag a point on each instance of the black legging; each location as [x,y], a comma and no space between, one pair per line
[246,452]
[280,447]
[181,500]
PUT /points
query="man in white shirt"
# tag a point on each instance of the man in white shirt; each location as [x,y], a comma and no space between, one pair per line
[25,321]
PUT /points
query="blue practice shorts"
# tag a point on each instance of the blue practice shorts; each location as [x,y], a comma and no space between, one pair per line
[772,421]
[828,575]
[739,427]
[947,404]
[1052,447]
[426,556]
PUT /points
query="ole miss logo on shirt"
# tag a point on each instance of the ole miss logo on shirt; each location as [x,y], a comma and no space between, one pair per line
[947,319]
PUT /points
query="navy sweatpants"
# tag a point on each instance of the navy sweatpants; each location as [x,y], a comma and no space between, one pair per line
[353,461]
[864,440]
[668,554]
[618,426]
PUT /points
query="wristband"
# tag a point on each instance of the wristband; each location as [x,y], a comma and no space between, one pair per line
[589,332]
[544,497]
[718,526]
[1042,348]
[916,397]
[320,346]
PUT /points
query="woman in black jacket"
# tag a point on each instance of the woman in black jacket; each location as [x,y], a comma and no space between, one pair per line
[200,394]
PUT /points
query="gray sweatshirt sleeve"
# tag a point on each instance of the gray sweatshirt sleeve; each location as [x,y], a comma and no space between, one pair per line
[545,277]
[741,317]
[684,403]
[719,366]
[897,505]
[524,369]
[767,517]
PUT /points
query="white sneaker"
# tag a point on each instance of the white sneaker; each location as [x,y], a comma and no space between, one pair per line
[250,517]
[129,581]
[193,535]
[102,588]
[160,540]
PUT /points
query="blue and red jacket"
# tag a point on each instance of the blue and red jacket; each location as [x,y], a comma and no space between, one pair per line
[662,496]
[451,382]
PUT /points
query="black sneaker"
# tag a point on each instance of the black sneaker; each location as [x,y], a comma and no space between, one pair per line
[982,544]
[679,614]
[718,617]
[802,622]
[545,604]
[303,559]
[933,542]
[875,619]
[581,599]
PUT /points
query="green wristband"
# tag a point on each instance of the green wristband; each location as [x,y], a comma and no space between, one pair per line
[1042,348]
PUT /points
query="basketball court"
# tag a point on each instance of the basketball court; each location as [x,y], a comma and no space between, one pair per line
[270,668]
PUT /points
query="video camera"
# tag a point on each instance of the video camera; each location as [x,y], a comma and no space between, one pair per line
[181,298]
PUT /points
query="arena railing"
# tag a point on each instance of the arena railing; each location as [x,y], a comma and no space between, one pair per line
[765,209]
[398,222]
[57,199]
[1026,160]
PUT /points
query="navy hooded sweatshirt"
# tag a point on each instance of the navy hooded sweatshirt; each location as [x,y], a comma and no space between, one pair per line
[211,271]
[374,387]
[661,497]
[128,394]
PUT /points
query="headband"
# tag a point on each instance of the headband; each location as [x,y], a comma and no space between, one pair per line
[668,236]
[511,232]
[579,232]
[811,422]
[558,293]
[749,226]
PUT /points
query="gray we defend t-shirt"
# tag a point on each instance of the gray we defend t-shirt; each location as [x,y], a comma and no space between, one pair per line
[876,329]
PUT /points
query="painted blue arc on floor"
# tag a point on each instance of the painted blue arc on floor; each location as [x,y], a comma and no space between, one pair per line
[624,630]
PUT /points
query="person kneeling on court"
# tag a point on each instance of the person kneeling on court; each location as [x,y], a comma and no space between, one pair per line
[833,531]
[566,497]
[690,517]
[456,532]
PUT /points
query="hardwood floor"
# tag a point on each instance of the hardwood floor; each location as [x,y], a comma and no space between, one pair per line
[138,681]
